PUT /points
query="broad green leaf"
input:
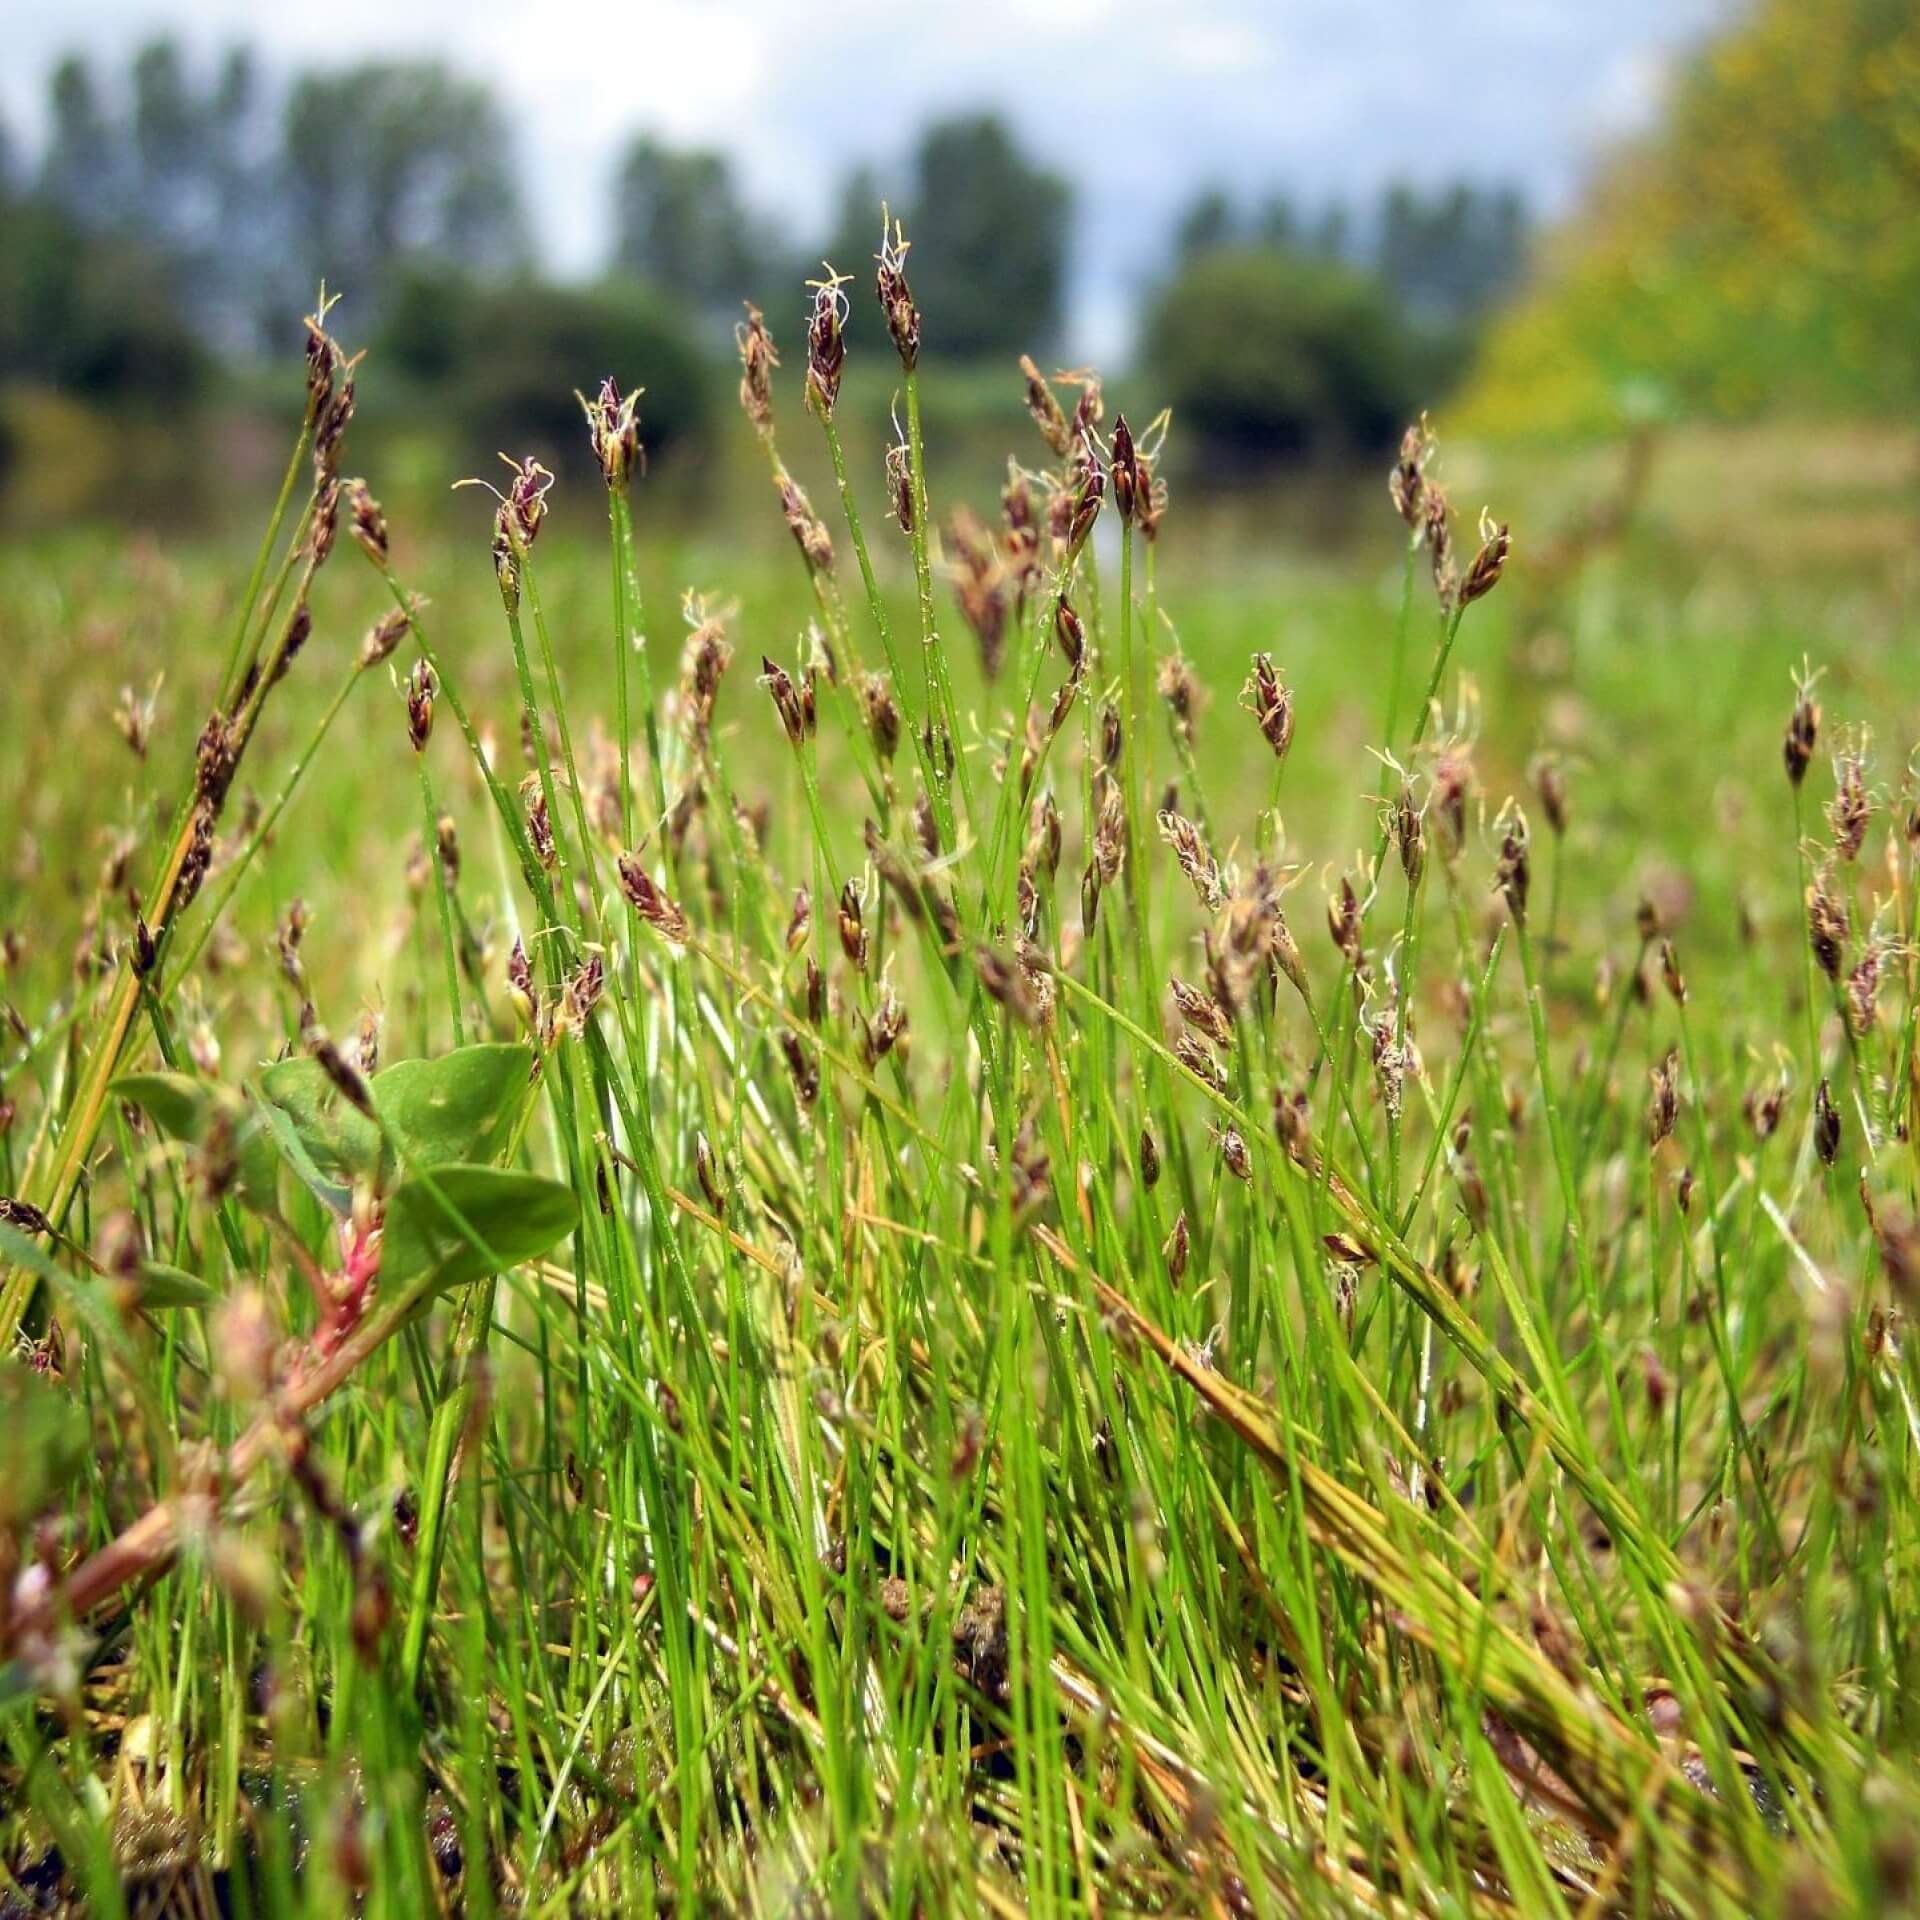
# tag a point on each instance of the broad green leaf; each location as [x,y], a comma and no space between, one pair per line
[43,1439]
[431,1228]
[340,1138]
[175,1102]
[458,1107]
[165,1286]
[183,1107]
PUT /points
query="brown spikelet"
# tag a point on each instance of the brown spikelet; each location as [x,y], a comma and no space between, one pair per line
[1047,413]
[757,362]
[1190,850]
[649,902]
[1496,543]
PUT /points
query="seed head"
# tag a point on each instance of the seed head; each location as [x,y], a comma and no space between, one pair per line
[1132,481]
[540,828]
[1450,788]
[757,362]
[1179,1241]
[331,423]
[888,1028]
[1663,1103]
[613,431]
[1044,835]
[368,522]
[896,297]
[800,921]
[1190,850]
[826,342]
[324,360]
[1407,824]
[1863,989]
[1180,689]
[1850,809]
[1086,487]
[1344,923]
[1489,563]
[213,763]
[649,902]
[344,1075]
[324,524]
[1828,926]
[703,664]
[1047,413]
[1803,729]
[582,993]
[1826,1124]
[1201,1011]
[420,691]
[1151,507]
[1439,537]
[1550,783]
[386,634]
[883,716]
[133,717]
[1762,1108]
[853,930]
[809,531]
[1268,698]
[802,1066]
[794,704]
[1514,872]
[1011,985]
[1149,1160]
[1070,633]
[520,986]
[298,631]
[900,484]
[1234,1155]
[980,587]
[1407,483]
[1670,972]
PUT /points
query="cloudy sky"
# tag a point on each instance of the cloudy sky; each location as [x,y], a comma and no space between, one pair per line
[1139,101]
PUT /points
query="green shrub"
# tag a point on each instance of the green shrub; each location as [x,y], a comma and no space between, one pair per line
[1265,357]
[506,361]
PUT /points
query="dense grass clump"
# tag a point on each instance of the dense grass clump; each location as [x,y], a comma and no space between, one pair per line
[948,1278]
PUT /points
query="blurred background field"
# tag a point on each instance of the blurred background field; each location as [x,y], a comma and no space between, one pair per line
[1676,348]
[1651,274]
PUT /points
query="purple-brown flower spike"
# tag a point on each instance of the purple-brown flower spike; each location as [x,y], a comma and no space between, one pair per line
[1270,701]
[420,692]
[757,362]
[896,297]
[826,342]
[1048,415]
[613,430]
[1489,563]
[795,707]
[368,522]
[1131,483]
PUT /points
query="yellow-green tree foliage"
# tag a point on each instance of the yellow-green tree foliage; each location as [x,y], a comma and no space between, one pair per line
[1760,251]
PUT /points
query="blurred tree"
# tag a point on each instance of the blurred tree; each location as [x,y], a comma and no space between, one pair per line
[83,170]
[502,362]
[1277,224]
[384,164]
[91,313]
[1266,356]
[1207,224]
[680,224]
[1451,254]
[990,229]
[1761,249]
